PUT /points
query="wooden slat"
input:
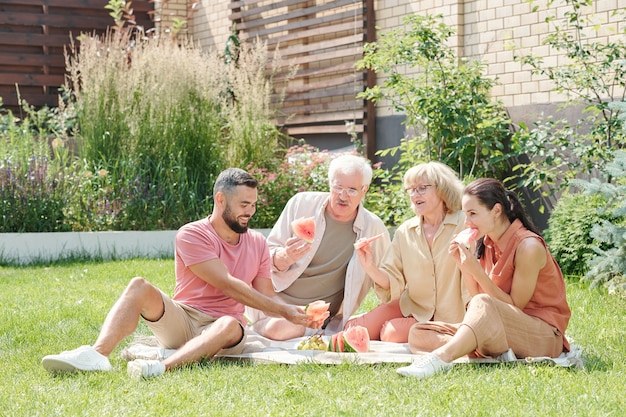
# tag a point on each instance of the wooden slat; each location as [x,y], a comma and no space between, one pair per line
[321,21]
[33,39]
[338,69]
[316,130]
[56,20]
[32,79]
[10,59]
[323,117]
[9,98]
[327,83]
[255,14]
[138,6]
[326,107]
[318,94]
[306,35]
[322,45]
[242,3]
[341,53]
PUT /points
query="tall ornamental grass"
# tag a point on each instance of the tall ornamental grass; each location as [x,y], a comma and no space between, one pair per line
[162,118]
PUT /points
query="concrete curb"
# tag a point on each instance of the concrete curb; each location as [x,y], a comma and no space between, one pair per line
[28,248]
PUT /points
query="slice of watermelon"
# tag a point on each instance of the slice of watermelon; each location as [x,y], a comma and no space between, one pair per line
[341,345]
[358,245]
[317,310]
[304,228]
[332,344]
[466,237]
[356,339]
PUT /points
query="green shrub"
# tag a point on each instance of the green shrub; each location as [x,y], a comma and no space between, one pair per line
[591,75]
[303,168]
[34,183]
[608,265]
[569,228]
[387,197]
[450,115]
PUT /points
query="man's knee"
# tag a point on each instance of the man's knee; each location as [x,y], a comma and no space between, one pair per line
[138,285]
[230,328]
[278,329]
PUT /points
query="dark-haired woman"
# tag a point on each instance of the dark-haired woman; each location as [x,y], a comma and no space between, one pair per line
[518,303]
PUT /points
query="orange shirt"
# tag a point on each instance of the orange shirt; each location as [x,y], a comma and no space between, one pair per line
[548,301]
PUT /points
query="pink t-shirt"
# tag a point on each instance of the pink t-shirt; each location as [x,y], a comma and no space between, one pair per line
[198,242]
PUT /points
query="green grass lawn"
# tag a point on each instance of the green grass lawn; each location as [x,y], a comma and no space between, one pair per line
[46,310]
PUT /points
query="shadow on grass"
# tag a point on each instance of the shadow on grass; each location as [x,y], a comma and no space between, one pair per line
[596,363]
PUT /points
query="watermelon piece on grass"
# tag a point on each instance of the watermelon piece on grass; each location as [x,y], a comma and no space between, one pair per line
[304,228]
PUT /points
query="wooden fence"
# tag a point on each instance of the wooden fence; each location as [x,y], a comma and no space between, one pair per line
[324,38]
[33,34]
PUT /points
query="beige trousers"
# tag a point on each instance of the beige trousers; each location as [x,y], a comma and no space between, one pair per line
[499,326]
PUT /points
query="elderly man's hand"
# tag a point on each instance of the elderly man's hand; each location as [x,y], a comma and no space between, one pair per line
[296,248]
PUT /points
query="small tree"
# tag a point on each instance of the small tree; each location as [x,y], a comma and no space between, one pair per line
[446,102]
[594,76]
[608,266]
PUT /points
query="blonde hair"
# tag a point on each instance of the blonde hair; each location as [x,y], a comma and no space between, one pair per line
[446,182]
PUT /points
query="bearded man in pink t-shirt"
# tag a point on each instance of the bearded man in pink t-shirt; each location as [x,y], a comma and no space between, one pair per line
[221,267]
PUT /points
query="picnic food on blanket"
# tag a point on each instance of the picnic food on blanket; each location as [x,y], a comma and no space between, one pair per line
[315,342]
[353,339]
[317,311]
[466,237]
[362,242]
[304,228]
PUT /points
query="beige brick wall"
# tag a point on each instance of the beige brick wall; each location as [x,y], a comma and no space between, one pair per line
[210,25]
[169,10]
[486,30]
[207,20]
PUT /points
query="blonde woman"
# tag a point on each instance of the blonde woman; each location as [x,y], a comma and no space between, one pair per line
[519,306]
[418,281]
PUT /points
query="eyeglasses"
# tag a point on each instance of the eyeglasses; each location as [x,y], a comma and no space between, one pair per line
[352,192]
[421,190]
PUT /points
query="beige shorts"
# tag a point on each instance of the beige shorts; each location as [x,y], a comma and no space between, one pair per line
[181,323]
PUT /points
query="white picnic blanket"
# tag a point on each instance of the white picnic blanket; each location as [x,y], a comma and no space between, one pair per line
[259,349]
[262,350]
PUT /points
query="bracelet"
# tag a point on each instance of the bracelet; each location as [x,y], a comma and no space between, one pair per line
[274,264]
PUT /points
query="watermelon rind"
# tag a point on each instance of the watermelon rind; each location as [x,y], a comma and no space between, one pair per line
[347,347]
[332,343]
[360,339]
[340,342]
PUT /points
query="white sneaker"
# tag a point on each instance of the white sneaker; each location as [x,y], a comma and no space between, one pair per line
[141,368]
[140,351]
[84,358]
[508,356]
[425,366]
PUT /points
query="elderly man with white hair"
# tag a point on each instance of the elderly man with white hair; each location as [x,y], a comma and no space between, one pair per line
[327,268]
